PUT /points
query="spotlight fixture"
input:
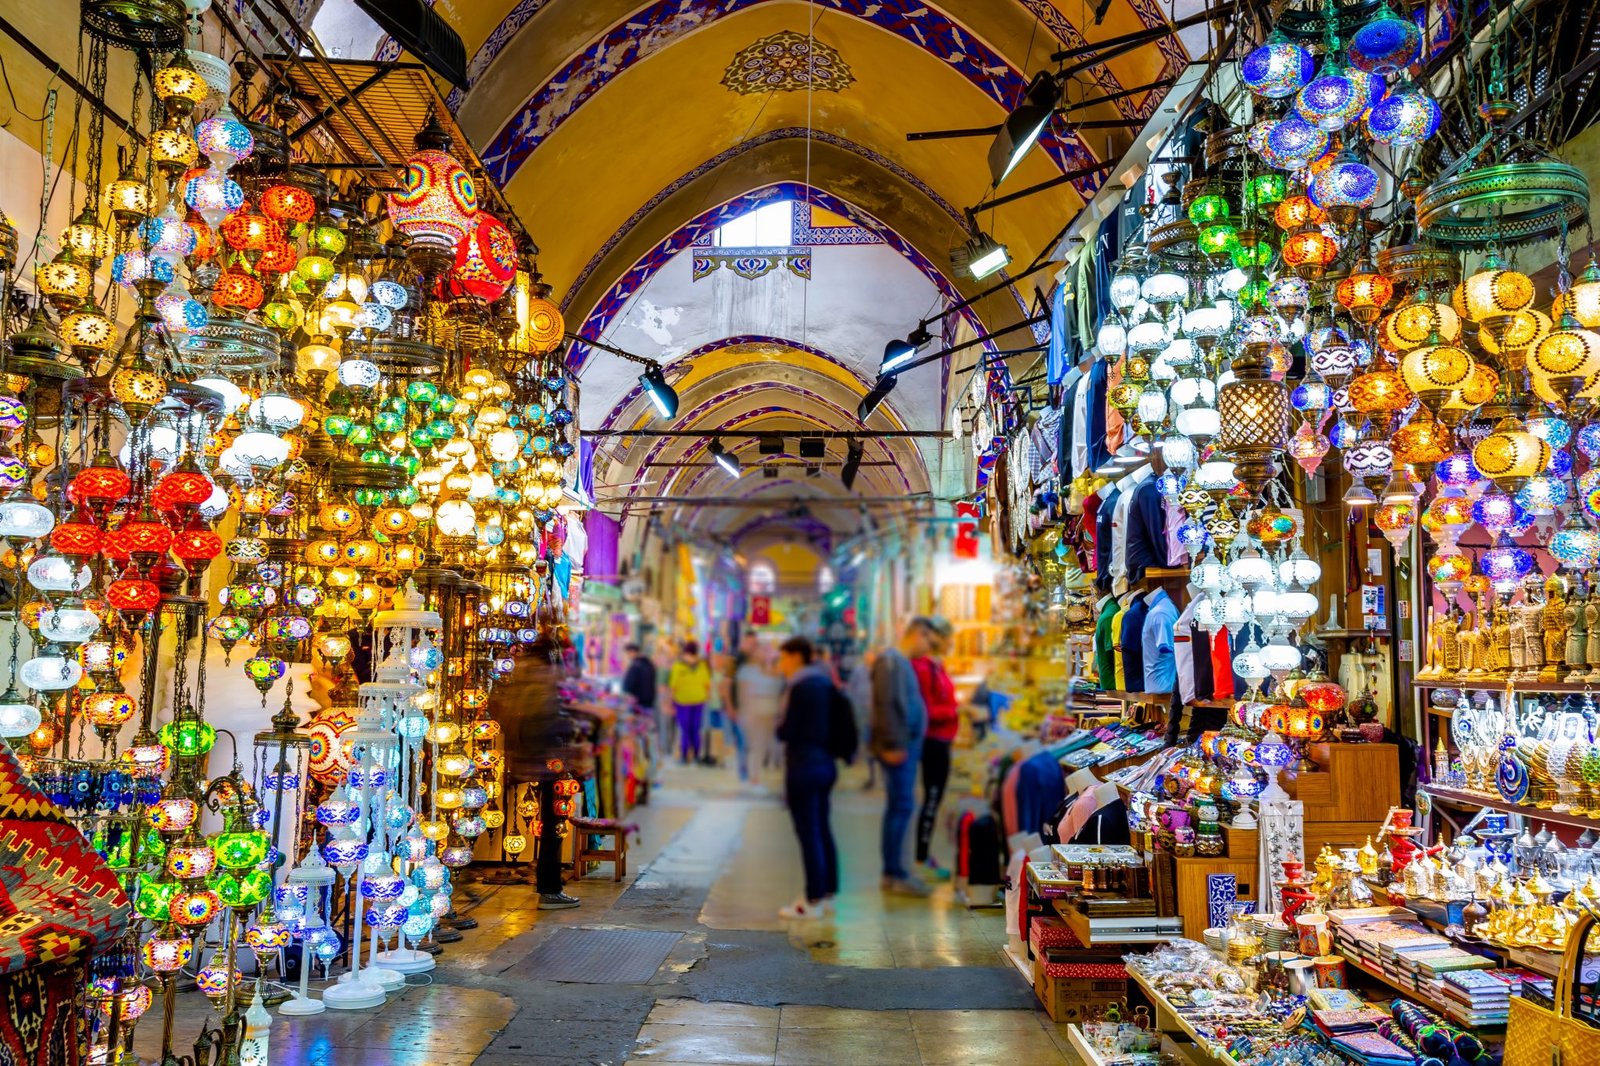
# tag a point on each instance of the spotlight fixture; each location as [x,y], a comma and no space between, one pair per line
[985,256]
[875,397]
[897,353]
[813,447]
[852,463]
[1023,127]
[770,444]
[662,395]
[725,459]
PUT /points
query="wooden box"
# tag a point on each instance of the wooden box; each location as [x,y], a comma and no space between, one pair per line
[1194,892]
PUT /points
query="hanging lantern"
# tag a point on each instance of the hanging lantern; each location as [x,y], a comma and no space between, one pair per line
[1344,189]
[1510,455]
[1404,118]
[1364,293]
[179,86]
[1277,69]
[1309,252]
[485,260]
[437,200]
[1333,99]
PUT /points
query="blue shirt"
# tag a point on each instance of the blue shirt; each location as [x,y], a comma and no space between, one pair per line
[1160,666]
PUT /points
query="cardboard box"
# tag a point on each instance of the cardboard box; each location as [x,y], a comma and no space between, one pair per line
[1077,999]
[1051,933]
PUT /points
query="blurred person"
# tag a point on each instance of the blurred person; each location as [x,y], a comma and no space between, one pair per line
[899,723]
[758,694]
[858,687]
[537,732]
[716,729]
[639,680]
[944,721]
[689,680]
[809,747]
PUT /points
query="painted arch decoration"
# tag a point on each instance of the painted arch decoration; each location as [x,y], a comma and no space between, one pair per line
[666,22]
[634,280]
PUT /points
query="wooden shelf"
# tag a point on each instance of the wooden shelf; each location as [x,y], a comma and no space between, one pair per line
[1135,697]
[1451,797]
[1169,1020]
[1526,688]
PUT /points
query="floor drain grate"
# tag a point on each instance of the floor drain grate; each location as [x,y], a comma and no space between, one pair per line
[601,956]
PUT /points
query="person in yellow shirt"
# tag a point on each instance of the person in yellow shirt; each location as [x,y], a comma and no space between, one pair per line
[689,681]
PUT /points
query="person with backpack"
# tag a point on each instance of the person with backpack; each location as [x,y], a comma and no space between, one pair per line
[817,727]
[944,721]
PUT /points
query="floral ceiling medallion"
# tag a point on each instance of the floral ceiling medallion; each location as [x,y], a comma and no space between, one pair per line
[787,61]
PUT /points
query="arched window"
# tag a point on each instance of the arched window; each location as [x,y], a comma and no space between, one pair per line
[768,226]
[763,578]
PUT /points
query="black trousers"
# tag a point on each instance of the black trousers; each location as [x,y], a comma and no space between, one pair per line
[808,791]
[935,775]
[547,868]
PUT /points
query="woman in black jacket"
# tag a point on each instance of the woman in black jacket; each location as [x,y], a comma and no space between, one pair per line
[809,773]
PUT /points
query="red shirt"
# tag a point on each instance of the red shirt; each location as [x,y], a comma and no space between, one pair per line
[939,693]
[1222,666]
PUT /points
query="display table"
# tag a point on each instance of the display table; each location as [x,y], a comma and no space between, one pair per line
[1169,1021]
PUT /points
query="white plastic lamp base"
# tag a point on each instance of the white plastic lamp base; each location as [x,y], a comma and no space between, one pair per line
[404,960]
[354,995]
[390,980]
[302,1006]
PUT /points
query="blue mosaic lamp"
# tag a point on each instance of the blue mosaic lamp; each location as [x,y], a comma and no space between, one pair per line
[1279,68]
[1404,118]
[1292,143]
[1457,471]
[1505,564]
[1556,432]
[1542,495]
[1334,98]
[1344,189]
[1577,548]
[1386,43]
[1589,441]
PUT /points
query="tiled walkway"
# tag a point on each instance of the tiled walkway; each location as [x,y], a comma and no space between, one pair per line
[890,981]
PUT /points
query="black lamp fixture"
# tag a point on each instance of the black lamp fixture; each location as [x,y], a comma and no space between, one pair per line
[852,463]
[875,396]
[1023,127]
[663,396]
[725,459]
[984,256]
[897,353]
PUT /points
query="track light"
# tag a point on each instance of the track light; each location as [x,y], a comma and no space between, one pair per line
[897,353]
[1023,127]
[662,395]
[985,255]
[725,459]
[852,463]
[874,398]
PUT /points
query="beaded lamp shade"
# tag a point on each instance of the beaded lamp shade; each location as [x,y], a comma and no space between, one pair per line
[1292,143]
[1277,69]
[1333,99]
[1309,251]
[1344,188]
[1511,455]
[1386,44]
[1364,294]
[1494,292]
[1371,461]
[288,203]
[1421,443]
[1380,392]
[1416,324]
[437,199]
[1583,299]
[1254,411]
[486,260]
[1295,211]
[1517,332]
[1404,118]
[1570,352]
[1434,369]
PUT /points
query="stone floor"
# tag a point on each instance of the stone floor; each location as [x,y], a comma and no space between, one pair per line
[887,981]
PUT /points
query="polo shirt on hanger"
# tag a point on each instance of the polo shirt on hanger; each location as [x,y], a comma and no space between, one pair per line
[1119,671]
[1105,643]
[1102,537]
[1160,624]
[1089,436]
[1133,648]
[1147,536]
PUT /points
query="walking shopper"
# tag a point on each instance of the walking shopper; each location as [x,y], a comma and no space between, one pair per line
[858,687]
[542,745]
[944,720]
[689,681]
[758,693]
[639,680]
[899,722]
[809,773]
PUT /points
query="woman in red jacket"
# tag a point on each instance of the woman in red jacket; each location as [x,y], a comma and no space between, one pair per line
[944,719]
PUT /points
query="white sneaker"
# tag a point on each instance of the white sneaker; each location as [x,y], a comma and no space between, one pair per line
[804,910]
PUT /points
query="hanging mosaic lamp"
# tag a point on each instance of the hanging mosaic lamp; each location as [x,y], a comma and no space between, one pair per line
[1277,69]
[1385,44]
[1334,98]
[1404,118]
[437,200]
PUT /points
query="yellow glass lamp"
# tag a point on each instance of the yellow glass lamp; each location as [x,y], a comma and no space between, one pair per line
[1380,393]
[173,151]
[1582,301]
[1364,293]
[179,87]
[129,200]
[1510,456]
[1423,442]
[1525,329]
[1434,371]
[86,238]
[65,281]
[1421,323]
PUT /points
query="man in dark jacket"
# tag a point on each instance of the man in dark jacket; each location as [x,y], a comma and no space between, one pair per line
[808,773]
[640,679]
[543,744]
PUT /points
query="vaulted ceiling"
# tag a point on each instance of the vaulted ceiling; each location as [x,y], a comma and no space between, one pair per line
[618,128]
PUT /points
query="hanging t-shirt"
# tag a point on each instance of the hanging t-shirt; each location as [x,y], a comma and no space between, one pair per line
[1102,537]
[1160,662]
[1147,535]
[1118,671]
[1183,656]
[1221,665]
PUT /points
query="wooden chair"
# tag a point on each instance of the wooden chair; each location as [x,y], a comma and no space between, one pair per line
[586,853]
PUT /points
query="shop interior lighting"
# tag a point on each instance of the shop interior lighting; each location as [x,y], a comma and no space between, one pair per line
[875,396]
[985,256]
[1023,127]
[725,459]
[663,396]
[852,463]
[897,353]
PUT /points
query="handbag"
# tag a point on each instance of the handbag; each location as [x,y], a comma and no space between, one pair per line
[1551,1036]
